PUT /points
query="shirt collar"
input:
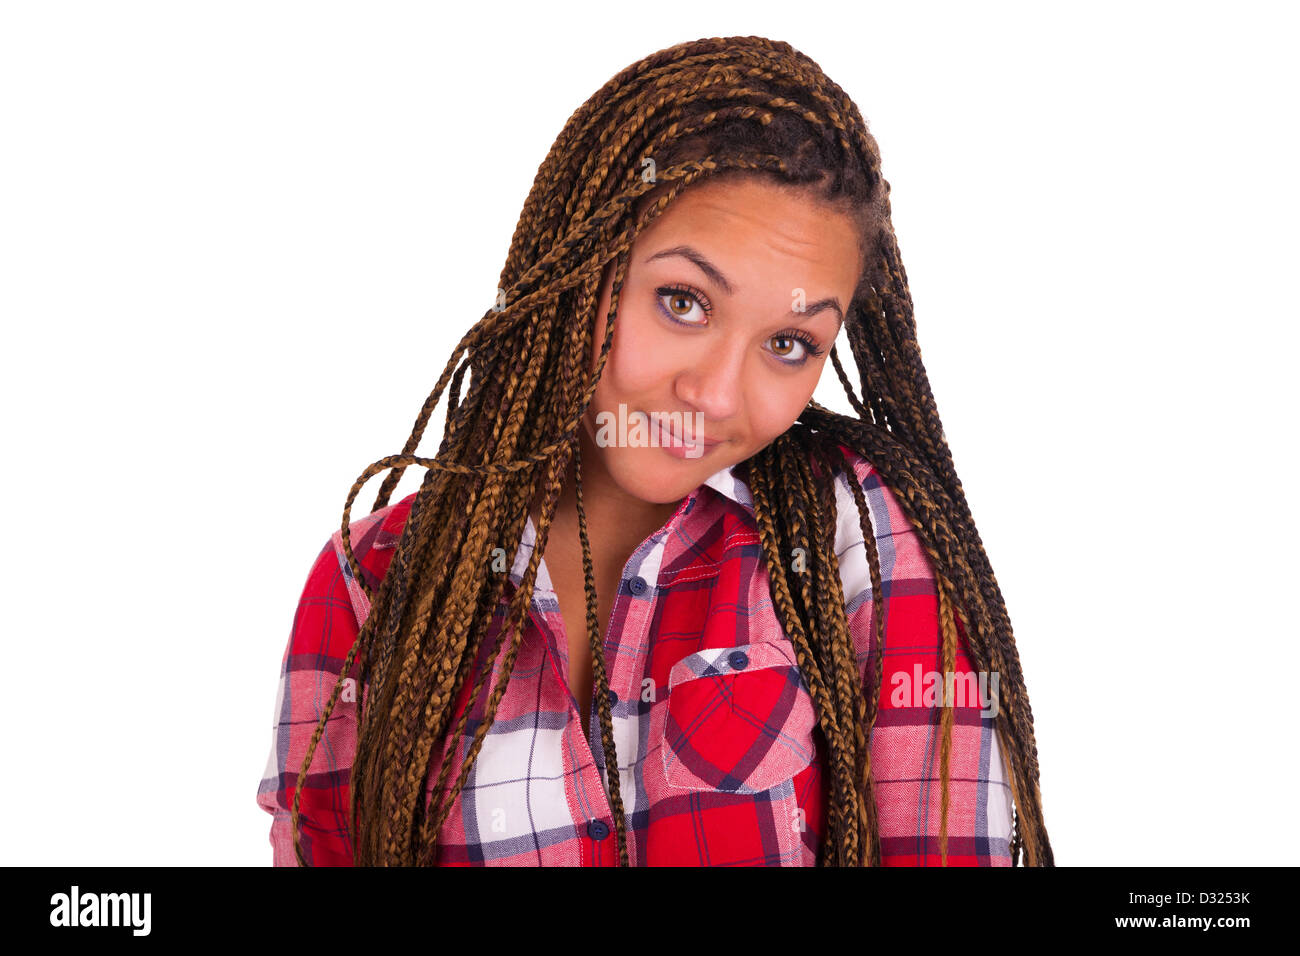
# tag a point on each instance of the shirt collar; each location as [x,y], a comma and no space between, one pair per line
[724,481]
[728,484]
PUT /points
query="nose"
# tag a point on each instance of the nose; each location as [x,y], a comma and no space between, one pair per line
[712,383]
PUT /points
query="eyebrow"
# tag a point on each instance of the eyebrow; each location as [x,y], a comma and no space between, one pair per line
[715,274]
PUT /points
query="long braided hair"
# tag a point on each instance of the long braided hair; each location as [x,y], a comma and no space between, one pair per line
[735,106]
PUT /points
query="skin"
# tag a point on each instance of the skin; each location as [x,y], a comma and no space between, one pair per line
[730,363]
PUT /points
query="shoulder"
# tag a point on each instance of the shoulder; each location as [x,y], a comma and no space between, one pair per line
[888,520]
[906,573]
[860,465]
[372,539]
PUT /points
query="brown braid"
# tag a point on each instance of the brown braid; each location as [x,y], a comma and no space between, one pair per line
[733,107]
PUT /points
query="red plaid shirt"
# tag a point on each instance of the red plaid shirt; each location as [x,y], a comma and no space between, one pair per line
[721,761]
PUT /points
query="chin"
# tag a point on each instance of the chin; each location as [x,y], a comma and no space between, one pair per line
[659,478]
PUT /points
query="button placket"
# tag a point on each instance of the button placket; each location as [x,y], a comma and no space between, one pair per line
[632,639]
[636,586]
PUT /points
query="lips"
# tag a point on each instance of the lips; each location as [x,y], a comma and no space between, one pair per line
[665,430]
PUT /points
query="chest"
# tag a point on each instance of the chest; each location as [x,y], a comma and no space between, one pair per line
[719,756]
[568,581]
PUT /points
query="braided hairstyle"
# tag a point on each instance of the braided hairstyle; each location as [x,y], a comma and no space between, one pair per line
[734,106]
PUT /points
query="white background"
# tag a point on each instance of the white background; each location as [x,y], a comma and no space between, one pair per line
[238,242]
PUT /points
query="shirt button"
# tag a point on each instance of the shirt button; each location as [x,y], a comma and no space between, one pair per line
[637,585]
[613,697]
[597,829]
[738,660]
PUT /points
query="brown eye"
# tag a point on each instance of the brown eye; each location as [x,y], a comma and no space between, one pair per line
[680,304]
[684,306]
[793,350]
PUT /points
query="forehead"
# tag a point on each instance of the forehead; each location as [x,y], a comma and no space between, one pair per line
[748,219]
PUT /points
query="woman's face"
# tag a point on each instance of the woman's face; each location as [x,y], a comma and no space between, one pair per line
[732,299]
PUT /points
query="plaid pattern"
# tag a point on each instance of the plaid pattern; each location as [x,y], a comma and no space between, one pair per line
[721,761]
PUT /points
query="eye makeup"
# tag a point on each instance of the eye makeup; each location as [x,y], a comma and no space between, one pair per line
[811,347]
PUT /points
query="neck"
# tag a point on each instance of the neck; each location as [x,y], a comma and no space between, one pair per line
[616,520]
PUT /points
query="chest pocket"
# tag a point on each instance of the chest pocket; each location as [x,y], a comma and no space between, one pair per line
[739,719]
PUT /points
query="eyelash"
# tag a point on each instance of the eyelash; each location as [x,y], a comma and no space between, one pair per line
[799,335]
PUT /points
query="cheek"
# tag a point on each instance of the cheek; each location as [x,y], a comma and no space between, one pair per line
[642,359]
[773,407]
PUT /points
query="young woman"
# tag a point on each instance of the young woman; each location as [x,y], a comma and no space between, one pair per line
[652,603]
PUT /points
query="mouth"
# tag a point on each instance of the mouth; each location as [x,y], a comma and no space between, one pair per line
[673,440]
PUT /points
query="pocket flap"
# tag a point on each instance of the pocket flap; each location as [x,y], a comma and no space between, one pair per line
[739,719]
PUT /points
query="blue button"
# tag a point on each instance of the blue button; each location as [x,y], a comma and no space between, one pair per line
[613,697]
[637,585]
[597,829]
[738,660]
